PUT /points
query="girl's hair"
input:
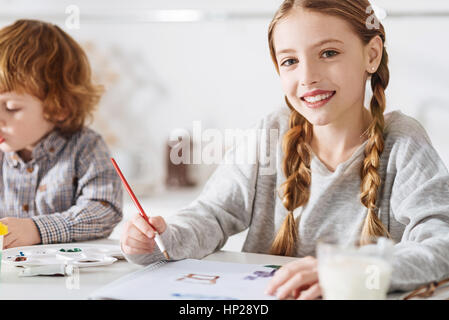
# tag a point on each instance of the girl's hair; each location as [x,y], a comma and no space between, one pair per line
[40,59]
[296,141]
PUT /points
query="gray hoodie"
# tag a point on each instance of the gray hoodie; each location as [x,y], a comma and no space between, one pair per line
[413,202]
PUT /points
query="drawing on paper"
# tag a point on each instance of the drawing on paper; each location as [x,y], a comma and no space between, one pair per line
[260,274]
[199,278]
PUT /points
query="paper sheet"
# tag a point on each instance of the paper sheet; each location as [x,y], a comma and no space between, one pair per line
[192,279]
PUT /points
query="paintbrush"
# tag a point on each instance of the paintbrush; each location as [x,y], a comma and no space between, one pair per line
[157,237]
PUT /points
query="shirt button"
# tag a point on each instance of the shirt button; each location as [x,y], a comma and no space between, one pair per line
[104,203]
[26,207]
[30,169]
[51,149]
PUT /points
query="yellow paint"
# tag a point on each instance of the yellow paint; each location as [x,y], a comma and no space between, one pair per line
[3,229]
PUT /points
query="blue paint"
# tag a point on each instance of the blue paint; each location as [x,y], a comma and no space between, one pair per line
[200,296]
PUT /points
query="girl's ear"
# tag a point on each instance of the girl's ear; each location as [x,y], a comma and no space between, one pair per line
[373,54]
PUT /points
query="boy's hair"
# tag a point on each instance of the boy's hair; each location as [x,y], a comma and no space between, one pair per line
[40,59]
[296,141]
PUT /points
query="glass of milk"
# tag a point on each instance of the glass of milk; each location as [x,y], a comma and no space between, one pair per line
[348,272]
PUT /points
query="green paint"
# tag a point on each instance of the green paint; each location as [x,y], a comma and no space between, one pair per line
[272,266]
[71,250]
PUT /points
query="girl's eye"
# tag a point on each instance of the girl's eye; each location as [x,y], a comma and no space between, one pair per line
[288,62]
[329,53]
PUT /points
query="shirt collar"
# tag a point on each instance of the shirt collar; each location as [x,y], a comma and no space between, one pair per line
[49,146]
[12,159]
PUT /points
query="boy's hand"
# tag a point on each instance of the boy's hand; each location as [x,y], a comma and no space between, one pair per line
[138,235]
[21,232]
[297,280]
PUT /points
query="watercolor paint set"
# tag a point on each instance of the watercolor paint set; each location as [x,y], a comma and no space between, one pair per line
[80,255]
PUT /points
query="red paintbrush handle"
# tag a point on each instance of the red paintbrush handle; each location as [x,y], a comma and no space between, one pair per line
[131,193]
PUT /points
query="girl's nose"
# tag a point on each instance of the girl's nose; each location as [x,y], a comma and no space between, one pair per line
[309,74]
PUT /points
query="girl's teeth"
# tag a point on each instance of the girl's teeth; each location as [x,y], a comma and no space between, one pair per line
[318,97]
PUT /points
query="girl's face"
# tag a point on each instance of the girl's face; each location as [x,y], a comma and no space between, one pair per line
[22,122]
[315,51]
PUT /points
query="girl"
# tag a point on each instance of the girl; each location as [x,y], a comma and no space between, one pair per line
[343,172]
[56,181]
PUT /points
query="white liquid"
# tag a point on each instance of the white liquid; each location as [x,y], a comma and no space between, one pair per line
[354,278]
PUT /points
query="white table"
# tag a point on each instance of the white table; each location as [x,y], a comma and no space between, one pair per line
[87,280]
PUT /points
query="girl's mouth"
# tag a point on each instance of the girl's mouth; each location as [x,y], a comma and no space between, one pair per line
[2,140]
[318,100]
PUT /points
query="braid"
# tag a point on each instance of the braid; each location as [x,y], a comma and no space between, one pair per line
[296,167]
[369,173]
[296,142]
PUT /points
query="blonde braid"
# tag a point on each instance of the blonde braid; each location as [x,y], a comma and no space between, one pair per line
[295,190]
[371,181]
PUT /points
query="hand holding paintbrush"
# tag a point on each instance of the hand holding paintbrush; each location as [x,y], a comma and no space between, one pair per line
[138,237]
[136,234]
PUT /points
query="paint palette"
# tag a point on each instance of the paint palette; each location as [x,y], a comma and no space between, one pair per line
[80,255]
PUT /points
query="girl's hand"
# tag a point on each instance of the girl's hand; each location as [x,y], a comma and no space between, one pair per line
[138,235]
[21,232]
[297,280]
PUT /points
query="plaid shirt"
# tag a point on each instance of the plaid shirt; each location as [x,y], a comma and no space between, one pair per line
[70,188]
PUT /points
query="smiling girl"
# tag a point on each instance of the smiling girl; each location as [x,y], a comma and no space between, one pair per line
[344,172]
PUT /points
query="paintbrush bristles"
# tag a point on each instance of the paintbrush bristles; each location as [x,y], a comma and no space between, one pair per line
[166,255]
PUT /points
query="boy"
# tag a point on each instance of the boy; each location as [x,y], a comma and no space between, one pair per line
[56,180]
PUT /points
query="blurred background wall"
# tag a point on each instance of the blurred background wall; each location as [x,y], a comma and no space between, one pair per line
[166,64]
